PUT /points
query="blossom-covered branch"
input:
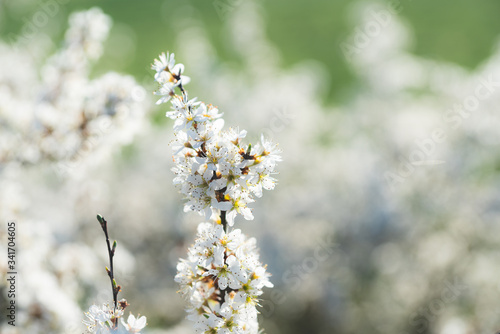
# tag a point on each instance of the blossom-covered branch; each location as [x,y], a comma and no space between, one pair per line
[214,170]
[65,117]
[219,175]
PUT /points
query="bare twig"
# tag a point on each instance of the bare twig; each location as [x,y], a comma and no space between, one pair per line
[111,252]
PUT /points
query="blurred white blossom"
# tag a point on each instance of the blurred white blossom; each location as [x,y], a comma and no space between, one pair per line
[64,116]
[53,114]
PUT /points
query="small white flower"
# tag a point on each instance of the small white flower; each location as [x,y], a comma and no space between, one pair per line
[166,69]
[133,324]
[234,135]
[239,201]
[229,274]
[270,149]
[164,63]
[182,113]
[100,318]
[166,91]
[180,143]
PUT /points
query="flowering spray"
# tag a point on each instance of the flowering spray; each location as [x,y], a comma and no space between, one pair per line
[222,277]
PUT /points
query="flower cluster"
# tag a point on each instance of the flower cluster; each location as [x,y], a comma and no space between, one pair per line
[104,319]
[222,278]
[214,169]
[65,115]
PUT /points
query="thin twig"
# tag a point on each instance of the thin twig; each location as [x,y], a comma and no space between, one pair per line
[111,252]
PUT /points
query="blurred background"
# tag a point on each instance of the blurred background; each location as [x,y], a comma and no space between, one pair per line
[386,216]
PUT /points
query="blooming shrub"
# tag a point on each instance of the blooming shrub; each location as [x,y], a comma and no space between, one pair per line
[413,252]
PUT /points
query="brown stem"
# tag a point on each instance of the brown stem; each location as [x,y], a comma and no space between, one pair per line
[223,220]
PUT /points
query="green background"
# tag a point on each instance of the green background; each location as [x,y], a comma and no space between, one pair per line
[460,31]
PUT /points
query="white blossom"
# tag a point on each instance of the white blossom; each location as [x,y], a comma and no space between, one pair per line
[133,324]
[65,116]
[222,279]
[214,170]
[106,319]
